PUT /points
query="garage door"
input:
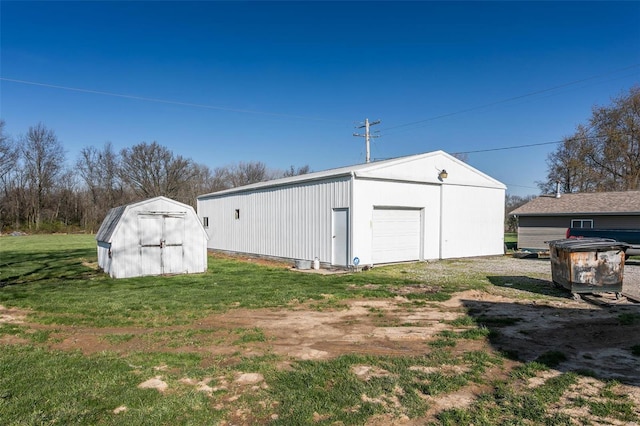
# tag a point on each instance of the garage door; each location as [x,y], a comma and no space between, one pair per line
[396,235]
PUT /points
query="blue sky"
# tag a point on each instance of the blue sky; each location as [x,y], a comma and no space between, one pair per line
[287,83]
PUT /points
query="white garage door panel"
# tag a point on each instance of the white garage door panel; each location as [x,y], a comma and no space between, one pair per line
[396,235]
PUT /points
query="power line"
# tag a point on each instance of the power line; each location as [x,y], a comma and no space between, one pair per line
[520,186]
[508,147]
[367,135]
[537,92]
[162,101]
[571,138]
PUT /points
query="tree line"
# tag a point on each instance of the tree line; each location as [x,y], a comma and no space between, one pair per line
[39,192]
[603,154]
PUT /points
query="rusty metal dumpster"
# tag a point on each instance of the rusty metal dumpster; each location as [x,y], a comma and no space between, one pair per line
[588,265]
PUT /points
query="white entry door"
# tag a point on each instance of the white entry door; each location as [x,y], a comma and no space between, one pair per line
[397,235]
[340,237]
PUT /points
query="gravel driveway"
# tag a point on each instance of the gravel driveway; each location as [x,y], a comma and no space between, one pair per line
[541,268]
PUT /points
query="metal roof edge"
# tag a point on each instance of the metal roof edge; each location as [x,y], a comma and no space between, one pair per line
[122,210]
[315,176]
[272,184]
[352,170]
[400,160]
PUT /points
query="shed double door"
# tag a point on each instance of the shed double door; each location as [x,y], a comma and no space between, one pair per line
[161,243]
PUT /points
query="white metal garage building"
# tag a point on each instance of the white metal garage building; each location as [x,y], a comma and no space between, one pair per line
[152,237]
[426,206]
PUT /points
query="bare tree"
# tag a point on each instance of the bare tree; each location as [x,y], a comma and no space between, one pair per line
[603,156]
[570,165]
[66,207]
[8,153]
[43,157]
[221,179]
[152,170]
[512,202]
[99,170]
[617,134]
[240,174]
[8,168]
[13,200]
[203,182]
[247,173]
[293,171]
[37,188]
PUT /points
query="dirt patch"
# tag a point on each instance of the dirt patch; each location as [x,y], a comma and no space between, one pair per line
[523,324]
[12,315]
[591,337]
[273,263]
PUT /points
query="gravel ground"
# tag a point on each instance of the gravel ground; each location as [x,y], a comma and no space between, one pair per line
[534,268]
[541,268]
[630,280]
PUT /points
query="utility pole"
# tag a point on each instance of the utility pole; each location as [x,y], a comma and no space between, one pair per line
[367,135]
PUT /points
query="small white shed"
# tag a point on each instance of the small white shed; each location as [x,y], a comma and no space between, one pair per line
[426,206]
[152,237]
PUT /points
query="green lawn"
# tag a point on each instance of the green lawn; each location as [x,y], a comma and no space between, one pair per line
[54,278]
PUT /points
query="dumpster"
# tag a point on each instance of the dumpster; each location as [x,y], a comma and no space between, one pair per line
[588,265]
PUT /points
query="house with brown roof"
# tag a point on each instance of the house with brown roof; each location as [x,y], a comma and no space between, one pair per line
[547,217]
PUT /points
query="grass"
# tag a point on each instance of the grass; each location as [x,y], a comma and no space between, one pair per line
[510,237]
[508,404]
[38,386]
[53,274]
[54,278]
[59,279]
[325,389]
[511,240]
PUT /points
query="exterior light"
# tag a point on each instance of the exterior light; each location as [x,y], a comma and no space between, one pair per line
[443,174]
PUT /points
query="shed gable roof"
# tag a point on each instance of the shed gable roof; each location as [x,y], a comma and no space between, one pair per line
[625,202]
[391,168]
[109,223]
[114,216]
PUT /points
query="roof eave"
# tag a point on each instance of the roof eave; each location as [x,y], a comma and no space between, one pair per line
[515,213]
[272,184]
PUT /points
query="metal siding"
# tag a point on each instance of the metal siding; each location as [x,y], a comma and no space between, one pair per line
[472,221]
[369,194]
[291,222]
[125,247]
[104,261]
[294,221]
[125,250]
